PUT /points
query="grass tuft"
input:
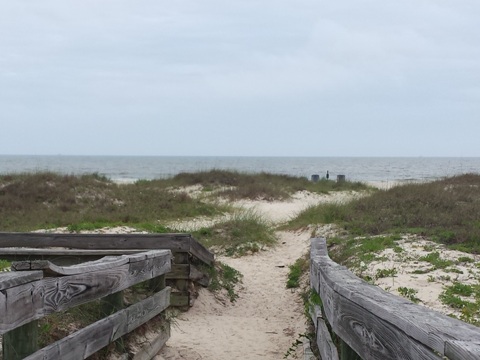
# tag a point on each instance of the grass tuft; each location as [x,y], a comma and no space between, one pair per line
[246,232]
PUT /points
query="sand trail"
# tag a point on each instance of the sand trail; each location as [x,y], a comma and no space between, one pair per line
[262,323]
[267,318]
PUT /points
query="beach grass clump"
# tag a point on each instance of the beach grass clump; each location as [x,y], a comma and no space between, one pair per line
[436,260]
[224,278]
[245,232]
[445,210]
[300,267]
[50,200]
[356,252]
[5,265]
[409,293]
[465,298]
[236,185]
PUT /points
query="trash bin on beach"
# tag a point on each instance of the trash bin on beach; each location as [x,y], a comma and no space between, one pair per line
[340,178]
[315,178]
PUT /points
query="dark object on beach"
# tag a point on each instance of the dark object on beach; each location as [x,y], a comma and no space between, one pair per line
[315,178]
[340,178]
[328,175]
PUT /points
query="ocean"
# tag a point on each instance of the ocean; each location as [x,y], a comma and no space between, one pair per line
[131,168]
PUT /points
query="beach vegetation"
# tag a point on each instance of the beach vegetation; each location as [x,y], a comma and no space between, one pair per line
[223,278]
[236,185]
[384,273]
[4,265]
[445,210]
[297,270]
[31,201]
[435,259]
[355,252]
[409,293]
[50,200]
[465,298]
[245,232]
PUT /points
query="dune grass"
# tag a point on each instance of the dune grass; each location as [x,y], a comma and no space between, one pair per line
[446,210]
[245,232]
[49,200]
[237,185]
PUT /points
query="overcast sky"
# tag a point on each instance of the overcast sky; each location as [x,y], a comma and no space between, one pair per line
[249,77]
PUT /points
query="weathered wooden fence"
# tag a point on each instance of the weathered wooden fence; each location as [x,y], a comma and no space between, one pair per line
[189,255]
[377,324]
[36,289]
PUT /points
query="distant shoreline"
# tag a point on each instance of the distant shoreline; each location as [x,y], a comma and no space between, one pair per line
[131,168]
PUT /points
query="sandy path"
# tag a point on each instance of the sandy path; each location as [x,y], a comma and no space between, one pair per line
[263,322]
[267,318]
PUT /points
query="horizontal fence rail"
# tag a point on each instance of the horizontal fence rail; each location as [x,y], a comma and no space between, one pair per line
[67,249]
[36,289]
[380,325]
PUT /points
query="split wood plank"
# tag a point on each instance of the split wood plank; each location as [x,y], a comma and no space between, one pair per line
[92,338]
[200,252]
[11,279]
[47,267]
[22,304]
[173,242]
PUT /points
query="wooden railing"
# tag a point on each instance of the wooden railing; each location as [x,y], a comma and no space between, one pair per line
[373,324]
[35,289]
[61,249]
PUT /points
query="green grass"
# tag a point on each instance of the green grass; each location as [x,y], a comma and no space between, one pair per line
[224,277]
[296,270]
[4,265]
[246,232]
[240,185]
[435,259]
[464,298]
[352,251]
[384,273]
[409,293]
[445,210]
[49,200]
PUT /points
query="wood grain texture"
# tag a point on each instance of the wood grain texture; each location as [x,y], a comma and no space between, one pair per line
[49,268]
[200,252]
[379,325]
[198,276]
[151,348]
[31,301]
[459,350]
[174,242]
[92,338]
[179,271]
[11,279]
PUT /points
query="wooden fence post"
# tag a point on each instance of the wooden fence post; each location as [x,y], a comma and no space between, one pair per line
[20,342]
[109,305]
[158,283]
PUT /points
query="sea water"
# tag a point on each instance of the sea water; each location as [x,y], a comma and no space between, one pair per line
[131,168]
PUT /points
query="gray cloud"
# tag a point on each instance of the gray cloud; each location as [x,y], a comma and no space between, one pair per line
[246,78]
